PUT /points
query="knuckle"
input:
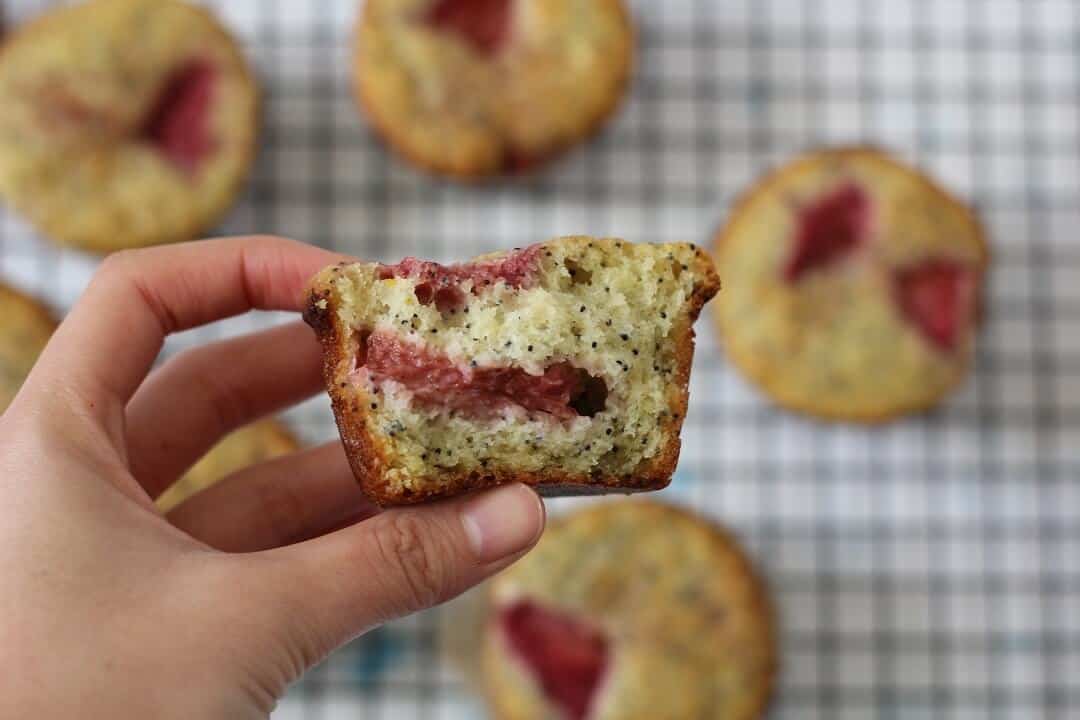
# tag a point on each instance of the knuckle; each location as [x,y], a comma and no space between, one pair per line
[404,546]
[126,269]
[228,404]
[115,265]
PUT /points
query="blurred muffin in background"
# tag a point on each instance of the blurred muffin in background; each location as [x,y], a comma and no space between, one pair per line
[25,327]
[630,610]
[124,123]
[473,88]
[851,286]
[243,448]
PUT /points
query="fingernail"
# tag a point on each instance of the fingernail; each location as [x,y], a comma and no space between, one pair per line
[502,522]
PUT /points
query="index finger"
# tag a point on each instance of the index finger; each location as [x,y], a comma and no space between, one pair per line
[108,342]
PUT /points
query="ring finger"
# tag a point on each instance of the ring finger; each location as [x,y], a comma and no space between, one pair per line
[276,503]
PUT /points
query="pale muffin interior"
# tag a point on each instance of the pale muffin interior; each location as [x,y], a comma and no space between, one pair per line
[611,308]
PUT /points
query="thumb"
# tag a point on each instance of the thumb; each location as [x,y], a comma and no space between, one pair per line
[326,591]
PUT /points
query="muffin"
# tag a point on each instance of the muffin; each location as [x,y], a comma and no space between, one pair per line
[250,445]
[124,123]
[474,88]
[25,328]
[563,365]
[853,286]
[629,610]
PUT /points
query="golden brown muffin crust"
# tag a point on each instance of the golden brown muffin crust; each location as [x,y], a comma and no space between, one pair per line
[452,109]
[80,90]
[688,622]
[834,344]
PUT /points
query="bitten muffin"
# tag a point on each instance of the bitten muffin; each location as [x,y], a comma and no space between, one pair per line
[124,123]
[481,87]
[250,445]
[563,365]
[25,328]
[625,611]
[853,286]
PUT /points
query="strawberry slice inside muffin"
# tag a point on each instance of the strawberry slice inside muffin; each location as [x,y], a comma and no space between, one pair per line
[936,297]
[435,381]
[828,230]
[566,655]
[441,284]
[484,24]
[178,124]
[563,365]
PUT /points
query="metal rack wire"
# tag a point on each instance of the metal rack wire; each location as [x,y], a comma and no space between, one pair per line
[927,569]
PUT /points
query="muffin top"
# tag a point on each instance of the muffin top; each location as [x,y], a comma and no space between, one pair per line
[630,609]
[851,286]
[124,123]
[478,87]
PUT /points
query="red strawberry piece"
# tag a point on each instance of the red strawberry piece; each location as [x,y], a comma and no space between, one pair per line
[517,161]
[439,283]
[828,230]
[484,24]
[436,381]
[178,124]
[936,297]
[567,656]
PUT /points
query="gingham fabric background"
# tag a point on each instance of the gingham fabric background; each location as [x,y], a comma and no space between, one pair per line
[930,568]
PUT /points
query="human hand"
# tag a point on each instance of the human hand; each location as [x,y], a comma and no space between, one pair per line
[111,610]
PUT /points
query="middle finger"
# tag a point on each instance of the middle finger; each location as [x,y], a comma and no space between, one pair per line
[202,394]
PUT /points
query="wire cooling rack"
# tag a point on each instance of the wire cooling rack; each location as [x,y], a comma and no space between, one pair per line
[930,568]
